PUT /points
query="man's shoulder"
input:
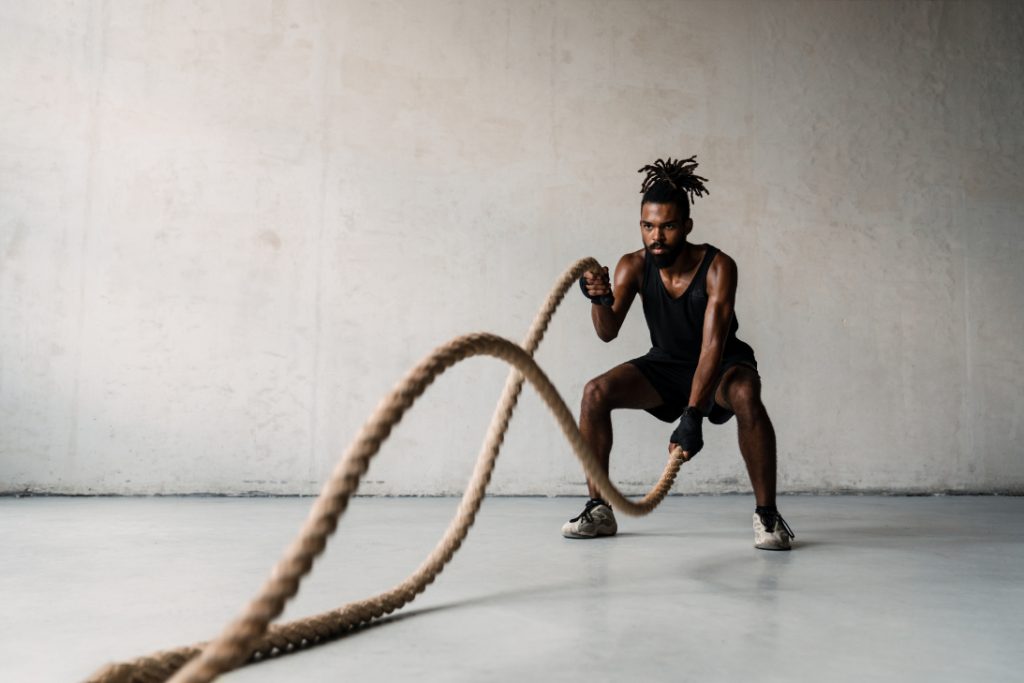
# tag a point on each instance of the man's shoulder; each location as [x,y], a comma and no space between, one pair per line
[633,258]
[633,262]
[722,261]
[632,266]
[722,273]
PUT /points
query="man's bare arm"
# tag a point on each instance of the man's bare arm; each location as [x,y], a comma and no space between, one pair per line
[721,286]
[608,319]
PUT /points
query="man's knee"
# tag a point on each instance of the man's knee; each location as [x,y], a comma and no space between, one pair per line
[744,395]
[596,395]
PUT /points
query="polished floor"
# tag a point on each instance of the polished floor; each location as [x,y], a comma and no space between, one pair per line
[876,589]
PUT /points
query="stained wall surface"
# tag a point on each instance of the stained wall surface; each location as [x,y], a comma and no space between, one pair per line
[228,228]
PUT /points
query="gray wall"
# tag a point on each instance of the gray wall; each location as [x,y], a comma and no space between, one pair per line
[227,228]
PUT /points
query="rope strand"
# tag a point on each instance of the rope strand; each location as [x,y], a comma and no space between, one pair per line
[251,637]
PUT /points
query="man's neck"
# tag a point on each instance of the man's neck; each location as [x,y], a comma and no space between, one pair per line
[684,263]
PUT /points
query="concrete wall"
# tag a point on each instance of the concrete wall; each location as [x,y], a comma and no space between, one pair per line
[227,228]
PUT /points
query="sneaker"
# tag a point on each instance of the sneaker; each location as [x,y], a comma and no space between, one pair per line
[771,532]
[597,519]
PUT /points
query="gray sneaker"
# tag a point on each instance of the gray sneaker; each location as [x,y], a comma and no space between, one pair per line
[771,532]
[597,519]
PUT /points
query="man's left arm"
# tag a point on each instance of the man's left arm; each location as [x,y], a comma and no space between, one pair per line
[721,287]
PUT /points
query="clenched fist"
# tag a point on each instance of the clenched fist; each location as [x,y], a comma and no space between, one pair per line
[597,287]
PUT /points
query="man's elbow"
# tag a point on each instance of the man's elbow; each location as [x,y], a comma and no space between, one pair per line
[607,336]
[712,350]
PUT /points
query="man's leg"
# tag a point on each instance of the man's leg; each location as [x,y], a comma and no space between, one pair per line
[623,386]
[740,392]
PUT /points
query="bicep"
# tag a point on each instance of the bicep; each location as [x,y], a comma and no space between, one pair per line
[721,301]
[625,286]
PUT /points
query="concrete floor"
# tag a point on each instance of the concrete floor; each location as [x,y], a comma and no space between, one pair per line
[877,589]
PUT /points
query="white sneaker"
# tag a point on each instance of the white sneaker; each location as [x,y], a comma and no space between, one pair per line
[772,532]
[597,519]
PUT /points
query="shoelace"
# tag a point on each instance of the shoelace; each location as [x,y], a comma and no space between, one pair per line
[775,519]
[585,515]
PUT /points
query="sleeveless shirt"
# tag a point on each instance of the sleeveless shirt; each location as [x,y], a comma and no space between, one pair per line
[677,324]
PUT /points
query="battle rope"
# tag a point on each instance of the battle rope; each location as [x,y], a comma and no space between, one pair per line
[251,637]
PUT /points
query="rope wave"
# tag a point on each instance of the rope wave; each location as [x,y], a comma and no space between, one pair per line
[251,636]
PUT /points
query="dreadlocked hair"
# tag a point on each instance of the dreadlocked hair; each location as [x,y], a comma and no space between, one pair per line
[672,181]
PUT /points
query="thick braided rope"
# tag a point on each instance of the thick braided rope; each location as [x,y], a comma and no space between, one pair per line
[251,636]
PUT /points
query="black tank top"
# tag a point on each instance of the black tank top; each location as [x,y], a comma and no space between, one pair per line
[677,325]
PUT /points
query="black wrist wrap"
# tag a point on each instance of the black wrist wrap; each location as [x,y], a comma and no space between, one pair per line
[688,434]
[601,300]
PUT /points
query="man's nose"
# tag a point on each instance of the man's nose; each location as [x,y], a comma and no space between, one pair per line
[659,234]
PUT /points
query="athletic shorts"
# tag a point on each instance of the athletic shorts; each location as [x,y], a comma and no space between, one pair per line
[672,378]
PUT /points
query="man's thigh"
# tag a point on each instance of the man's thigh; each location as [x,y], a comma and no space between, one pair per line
[624,386]
[740,374]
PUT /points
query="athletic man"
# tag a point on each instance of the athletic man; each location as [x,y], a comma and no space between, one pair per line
[696,367]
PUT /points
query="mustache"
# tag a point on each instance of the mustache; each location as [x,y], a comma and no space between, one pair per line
[656,245]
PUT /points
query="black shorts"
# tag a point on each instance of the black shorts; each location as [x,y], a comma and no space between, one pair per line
[672,378]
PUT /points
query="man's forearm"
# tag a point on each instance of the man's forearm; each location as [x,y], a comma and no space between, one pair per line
[704,377]
[605,323]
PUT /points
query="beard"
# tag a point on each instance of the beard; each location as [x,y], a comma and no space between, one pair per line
[666,259]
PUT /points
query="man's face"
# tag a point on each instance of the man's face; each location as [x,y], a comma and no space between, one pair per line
[664,232]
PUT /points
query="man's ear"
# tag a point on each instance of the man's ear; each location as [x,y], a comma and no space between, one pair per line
[687,226]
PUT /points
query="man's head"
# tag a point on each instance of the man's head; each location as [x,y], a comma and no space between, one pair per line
[663,231]
[672,182]
[668,189]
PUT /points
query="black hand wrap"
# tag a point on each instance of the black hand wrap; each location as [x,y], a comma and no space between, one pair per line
[688,434]
[601,299]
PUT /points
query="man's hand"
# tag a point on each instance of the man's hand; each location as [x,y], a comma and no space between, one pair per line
[688,434]
[597,287]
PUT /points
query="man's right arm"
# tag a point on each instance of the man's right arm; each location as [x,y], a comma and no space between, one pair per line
[608,319]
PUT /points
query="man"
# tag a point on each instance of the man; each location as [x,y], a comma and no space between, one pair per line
[696,368]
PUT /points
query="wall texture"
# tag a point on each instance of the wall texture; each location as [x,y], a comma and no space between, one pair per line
[227,228]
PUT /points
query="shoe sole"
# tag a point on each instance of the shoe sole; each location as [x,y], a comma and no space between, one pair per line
[770,547]
[579,536]
[600,534]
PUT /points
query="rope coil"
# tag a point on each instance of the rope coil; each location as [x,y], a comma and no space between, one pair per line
[251,636]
